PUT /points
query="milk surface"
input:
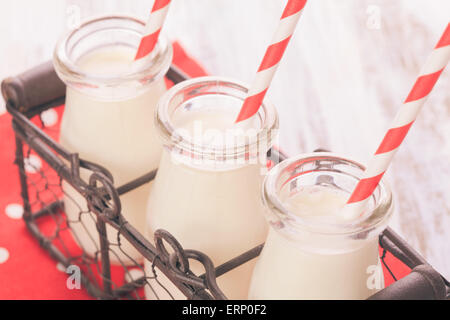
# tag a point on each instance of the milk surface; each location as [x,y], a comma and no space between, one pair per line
[318,205]
[107,61]
[117,133]
[286,269]
[214,208]
[215,127]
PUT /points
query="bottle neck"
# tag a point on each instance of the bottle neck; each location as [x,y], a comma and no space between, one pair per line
[98,57]
[195,120]
[304,196]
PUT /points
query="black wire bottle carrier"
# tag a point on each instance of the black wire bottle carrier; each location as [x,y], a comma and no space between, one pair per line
[30,94]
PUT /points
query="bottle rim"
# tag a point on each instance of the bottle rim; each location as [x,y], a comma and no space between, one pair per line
[179,94]
[373,221]
[145,70]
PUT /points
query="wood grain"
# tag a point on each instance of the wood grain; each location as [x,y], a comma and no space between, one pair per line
[345,73]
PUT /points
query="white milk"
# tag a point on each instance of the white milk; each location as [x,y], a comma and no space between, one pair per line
[287,270]
[210,206]
[118,134]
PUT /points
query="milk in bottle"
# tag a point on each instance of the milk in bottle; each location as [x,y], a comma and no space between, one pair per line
[311,251]
[207,189]
[108,118]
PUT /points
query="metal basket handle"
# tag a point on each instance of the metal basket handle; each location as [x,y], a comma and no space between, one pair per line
[423,283]
[40,88]
[34,88]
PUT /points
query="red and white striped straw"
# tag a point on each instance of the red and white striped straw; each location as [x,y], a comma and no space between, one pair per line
[272,57]
[403,121]
[153,28]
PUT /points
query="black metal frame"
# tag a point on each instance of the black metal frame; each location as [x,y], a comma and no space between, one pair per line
[103,200]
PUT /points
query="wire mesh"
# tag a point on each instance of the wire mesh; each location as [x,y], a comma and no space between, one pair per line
[126,279]
[46,193]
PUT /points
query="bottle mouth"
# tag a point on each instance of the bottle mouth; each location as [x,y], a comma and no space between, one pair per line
[214,99]
[109,31]
[323,170]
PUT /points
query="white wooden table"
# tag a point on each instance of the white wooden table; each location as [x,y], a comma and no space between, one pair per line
[346,71]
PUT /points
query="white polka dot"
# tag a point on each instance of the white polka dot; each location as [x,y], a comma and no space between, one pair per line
[60,267]
[49,117]
[14,211]
[134,274]
[33,164]
[4,255]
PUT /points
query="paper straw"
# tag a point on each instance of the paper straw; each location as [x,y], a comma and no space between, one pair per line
[153,28]
[402,123]
[272,57]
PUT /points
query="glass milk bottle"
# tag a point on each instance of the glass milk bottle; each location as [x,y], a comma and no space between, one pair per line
[207,189]
[311,252]
[108,117]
